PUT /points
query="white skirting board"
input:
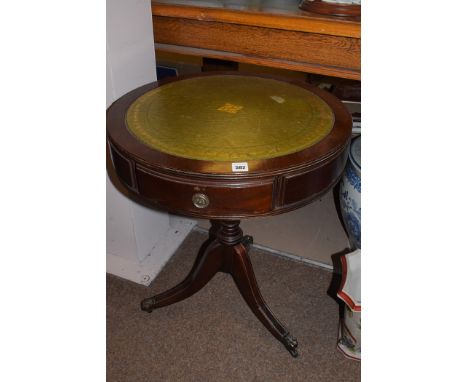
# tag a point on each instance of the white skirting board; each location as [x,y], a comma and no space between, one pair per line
[144,271]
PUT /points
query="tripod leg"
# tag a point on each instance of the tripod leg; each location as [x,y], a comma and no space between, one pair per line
[244,277]
[207,264]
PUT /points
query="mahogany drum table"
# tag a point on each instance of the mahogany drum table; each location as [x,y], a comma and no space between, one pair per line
[226,146]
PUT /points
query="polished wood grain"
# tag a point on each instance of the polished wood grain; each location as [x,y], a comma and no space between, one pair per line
[251,198]
[325,50]
[262,61]
[335,9]
[263,35]
[287,17]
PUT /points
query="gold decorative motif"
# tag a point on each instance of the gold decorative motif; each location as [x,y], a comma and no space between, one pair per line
[276,118]
[230,108]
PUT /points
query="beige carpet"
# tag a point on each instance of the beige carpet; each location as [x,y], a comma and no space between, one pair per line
[213,336]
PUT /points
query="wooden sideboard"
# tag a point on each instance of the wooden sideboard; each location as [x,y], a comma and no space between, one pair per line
[273,33]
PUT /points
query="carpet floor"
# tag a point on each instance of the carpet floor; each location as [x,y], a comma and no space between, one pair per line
[213,336]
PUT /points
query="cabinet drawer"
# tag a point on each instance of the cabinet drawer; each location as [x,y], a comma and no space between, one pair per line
[206,199]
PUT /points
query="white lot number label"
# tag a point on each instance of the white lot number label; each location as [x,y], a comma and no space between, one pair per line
[240,167]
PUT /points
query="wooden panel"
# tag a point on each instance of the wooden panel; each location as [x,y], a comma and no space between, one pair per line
[301,187]
[123,167]
[287,20]
[269,62]
[240,199]
[334,51]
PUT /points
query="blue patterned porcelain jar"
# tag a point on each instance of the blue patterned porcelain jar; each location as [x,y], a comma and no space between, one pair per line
[350,194]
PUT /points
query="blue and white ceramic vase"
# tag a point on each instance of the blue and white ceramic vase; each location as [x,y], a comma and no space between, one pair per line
[350,194]
[349,336]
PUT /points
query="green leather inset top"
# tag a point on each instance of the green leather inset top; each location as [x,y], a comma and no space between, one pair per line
[229,118]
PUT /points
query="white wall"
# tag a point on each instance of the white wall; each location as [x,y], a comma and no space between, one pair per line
[130,45]
[139,240]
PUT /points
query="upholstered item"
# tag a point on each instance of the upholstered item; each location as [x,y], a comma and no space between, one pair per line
[229,118]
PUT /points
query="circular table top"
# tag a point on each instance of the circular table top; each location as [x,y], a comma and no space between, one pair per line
[208,123]
[229,118]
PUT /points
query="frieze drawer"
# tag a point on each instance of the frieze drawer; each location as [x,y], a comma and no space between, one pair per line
[205,198]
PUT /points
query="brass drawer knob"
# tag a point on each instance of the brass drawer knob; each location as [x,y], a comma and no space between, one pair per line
[200,200]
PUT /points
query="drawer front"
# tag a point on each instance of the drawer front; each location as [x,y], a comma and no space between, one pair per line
[207,199]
